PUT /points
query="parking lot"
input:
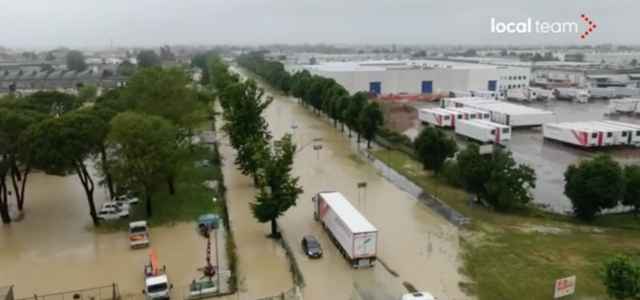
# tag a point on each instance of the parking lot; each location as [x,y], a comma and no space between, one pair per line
[550,159]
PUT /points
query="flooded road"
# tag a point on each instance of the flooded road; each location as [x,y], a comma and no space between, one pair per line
[550,159]
[414,242]
[54,248]
[262,264]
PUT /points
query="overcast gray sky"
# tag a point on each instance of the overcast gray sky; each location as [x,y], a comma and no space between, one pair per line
[94,23]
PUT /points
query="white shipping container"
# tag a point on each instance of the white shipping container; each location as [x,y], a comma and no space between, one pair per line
[437,117]
[354,236]
[576,133]
[484,131]
[634,138]
[623,105]
[602,93]
[484,94]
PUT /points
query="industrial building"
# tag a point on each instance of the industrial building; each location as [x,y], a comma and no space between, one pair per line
[419,76]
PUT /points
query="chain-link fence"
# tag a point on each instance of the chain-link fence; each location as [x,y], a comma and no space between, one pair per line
[107,292]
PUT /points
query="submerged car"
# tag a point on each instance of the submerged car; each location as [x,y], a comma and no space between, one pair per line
[311,246]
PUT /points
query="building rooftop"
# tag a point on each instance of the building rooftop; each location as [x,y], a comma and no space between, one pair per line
[385,65]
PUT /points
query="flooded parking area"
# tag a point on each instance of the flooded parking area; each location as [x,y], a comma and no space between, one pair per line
[54,248]
[550,159]
[415,244]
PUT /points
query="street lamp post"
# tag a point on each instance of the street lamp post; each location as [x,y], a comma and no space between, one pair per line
[362,185]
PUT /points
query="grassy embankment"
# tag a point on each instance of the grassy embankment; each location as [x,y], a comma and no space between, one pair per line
[519,255]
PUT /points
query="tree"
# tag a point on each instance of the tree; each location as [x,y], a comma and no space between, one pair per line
[63,145]
[148,58]
[433,147]
[126,68]
[163,92]
[87,93]
[142,144]
[278,189]
[510,184]
[594,185]
[356,104]
[496,178]
[75,61]
[166,54]
[16,149]
[371,119]
[621,277]
[248,131]
[632,187]
[50,102]
[634,62]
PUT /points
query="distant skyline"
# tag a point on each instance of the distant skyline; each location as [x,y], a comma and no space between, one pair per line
[46,24]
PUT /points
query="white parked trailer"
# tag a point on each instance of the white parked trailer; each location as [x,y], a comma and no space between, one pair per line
[594,133]
[505,113]
[635,128]
[438,117]
[484,131]
[577,95]
[575,133]
[484,94]
[627,105]
[354,236]
[602,93]
[613,134]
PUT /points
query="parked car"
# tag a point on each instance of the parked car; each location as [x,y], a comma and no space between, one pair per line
[112,212]
[311,246]
[123,206]
[418,296]
[127,198]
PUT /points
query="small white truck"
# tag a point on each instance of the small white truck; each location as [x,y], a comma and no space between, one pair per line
[484,131]
[156,281]
[354,236]
[138,234]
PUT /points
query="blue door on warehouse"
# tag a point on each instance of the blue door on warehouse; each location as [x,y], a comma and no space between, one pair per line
[493,84]
[427,87]
[375,87]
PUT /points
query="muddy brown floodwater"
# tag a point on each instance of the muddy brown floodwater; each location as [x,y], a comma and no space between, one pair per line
[422,247]
[54,249]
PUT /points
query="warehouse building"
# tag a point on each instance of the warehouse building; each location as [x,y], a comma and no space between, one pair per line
[411,77]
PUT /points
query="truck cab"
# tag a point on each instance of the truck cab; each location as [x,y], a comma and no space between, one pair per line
[157,287]
[138,234]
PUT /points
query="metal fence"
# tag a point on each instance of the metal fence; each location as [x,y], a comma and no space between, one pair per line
[107,292]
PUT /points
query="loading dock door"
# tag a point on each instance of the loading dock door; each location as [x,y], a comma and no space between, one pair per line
[427,87]
[492,85]
[375,87]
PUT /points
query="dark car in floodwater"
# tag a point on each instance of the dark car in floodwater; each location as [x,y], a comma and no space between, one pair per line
[311,246]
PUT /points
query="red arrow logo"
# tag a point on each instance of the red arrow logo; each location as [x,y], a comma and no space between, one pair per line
[591,26]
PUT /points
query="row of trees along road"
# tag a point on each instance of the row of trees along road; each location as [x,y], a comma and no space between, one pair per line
[268,162]
[322,94]
[136,137]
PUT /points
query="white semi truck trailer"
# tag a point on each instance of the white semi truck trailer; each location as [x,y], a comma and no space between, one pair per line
[350,231]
